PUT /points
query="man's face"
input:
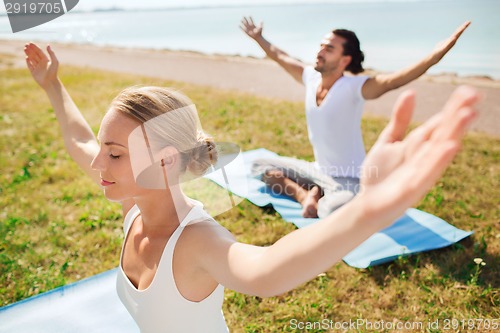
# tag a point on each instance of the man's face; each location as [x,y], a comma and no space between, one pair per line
[330,57]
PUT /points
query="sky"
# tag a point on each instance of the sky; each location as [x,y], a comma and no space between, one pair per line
[86,5]
[91,4]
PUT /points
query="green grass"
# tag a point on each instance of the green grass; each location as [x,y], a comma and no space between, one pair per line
[57,228]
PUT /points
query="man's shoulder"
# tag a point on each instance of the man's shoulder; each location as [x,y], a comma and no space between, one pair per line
[309,74]
[351,85]
[356,78]
[355,81]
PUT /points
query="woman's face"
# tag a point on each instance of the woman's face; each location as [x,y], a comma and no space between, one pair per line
[113,159]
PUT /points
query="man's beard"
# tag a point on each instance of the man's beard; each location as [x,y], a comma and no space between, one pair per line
[320,65]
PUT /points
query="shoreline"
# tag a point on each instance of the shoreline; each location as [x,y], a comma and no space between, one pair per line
[476,79]
[258,76]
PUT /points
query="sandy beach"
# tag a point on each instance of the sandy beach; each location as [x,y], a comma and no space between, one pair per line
[261,77]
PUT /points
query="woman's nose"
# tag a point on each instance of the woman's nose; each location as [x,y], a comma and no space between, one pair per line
[96,163]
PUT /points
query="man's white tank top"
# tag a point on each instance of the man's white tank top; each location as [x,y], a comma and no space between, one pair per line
[161,307]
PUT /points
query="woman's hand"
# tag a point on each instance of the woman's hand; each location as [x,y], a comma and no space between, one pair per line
[398,171]
[43,69]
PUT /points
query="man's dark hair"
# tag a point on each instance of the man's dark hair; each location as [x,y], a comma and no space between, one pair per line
[351,48]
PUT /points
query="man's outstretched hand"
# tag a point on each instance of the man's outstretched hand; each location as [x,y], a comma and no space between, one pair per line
[249,27]
[443,47]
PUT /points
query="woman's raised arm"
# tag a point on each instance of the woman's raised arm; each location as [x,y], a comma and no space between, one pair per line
[398,171]
[79,139]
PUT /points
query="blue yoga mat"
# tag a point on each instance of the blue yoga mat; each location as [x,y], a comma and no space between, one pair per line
[89,305]
[416,231]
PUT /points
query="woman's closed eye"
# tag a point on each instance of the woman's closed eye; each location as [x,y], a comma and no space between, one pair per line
[115,157]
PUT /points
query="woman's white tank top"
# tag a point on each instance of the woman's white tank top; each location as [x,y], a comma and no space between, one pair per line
[161,307]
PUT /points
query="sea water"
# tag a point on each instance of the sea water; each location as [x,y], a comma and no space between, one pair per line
[392,34]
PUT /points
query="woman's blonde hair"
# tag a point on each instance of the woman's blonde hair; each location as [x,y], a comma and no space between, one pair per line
[196,148]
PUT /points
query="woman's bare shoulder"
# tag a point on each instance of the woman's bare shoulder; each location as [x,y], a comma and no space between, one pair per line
[206,235]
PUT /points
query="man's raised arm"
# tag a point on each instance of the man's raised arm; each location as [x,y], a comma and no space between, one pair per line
[382,83]
[293,66]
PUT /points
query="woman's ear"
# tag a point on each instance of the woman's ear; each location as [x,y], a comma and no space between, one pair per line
[167,161]
[169,156]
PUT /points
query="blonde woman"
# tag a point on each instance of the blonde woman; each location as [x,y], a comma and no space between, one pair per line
[176,260]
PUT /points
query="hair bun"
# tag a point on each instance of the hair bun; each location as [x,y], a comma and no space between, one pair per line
[203,155]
